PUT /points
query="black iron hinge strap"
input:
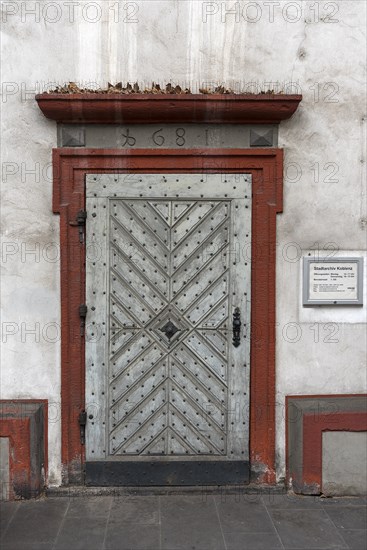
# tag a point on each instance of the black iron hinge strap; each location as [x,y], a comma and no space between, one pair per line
[82,423]
[80,221]
[83,310]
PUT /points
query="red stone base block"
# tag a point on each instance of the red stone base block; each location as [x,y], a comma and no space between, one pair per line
[312,440]
[24,423]
[307,418]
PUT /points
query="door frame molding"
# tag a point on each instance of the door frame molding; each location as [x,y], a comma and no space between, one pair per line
[266,167]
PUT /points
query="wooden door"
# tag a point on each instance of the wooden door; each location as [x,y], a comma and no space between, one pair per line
[167,379]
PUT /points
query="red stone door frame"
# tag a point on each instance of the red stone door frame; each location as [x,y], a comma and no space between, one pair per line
[266,166]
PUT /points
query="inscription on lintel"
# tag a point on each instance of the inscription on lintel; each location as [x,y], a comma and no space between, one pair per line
[168,136]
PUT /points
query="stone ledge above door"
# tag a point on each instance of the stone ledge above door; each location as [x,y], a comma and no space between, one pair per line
[99,108]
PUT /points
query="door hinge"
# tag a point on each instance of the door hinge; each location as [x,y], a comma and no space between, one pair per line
[80,221]
[82,423]
[83,309]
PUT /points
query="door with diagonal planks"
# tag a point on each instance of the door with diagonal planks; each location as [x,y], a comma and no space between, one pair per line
[167,367]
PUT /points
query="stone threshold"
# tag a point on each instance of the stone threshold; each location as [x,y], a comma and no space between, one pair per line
[83,491]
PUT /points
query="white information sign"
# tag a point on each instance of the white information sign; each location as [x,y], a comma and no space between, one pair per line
[333,281]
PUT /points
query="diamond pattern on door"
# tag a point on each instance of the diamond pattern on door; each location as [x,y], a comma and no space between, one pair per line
[169,280]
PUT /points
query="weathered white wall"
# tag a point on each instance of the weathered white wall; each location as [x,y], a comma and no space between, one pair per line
[344,458]
[189,42]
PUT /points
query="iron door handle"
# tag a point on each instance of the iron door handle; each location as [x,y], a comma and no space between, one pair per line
[236,327]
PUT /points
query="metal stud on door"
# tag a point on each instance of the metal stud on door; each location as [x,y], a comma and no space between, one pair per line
[167,374]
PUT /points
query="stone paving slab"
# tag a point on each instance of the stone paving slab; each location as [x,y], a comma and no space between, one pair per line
[185,522]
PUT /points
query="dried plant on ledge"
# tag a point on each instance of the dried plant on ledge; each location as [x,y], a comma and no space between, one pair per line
[73,88]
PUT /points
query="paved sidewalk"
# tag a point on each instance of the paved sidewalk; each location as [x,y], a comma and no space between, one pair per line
[189,522]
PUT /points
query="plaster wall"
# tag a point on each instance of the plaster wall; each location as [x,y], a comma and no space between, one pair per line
[313,48]
[344,457]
